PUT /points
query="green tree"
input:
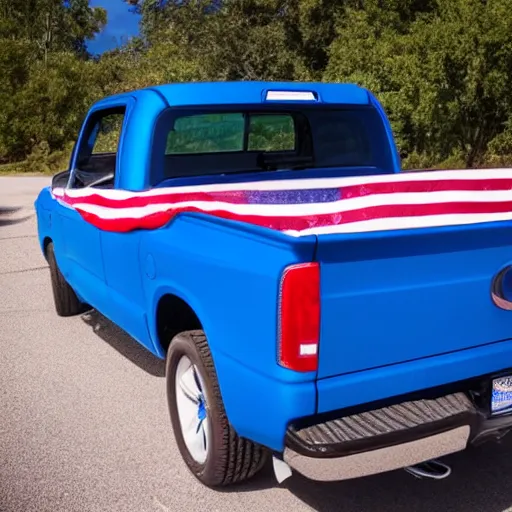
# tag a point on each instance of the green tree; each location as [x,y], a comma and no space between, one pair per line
[45,75]
[443,75]
[52,25]
[441,68]
[245,39]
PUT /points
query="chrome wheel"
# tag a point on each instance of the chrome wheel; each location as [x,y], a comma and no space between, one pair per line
[208,444]
[192,409]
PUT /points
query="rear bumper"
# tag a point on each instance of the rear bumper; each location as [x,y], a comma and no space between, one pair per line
[389,438]
[380,460]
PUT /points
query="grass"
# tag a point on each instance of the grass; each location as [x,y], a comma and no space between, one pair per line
[40,162]
[20,169]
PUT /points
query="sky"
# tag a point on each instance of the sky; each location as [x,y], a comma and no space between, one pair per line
[122,24]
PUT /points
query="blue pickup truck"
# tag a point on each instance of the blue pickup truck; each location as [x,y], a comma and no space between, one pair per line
[313,303]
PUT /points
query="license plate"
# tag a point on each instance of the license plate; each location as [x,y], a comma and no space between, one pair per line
[501,400]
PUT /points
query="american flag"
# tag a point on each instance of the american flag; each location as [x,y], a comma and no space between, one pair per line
[301,207]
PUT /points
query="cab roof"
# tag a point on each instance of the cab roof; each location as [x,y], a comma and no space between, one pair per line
[247,92]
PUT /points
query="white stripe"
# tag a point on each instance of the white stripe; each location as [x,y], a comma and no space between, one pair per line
[394,223]
[305,209]
[298,184]
[314,183]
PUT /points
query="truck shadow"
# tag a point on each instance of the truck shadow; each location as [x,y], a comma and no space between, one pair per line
[124,343]
[6,220]
[480,481]
[7,210]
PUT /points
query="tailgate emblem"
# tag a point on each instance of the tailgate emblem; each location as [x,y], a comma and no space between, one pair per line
[501,288]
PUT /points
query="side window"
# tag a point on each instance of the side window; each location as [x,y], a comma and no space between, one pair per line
[109,133]
[98,150]
[271,133]
[207,133]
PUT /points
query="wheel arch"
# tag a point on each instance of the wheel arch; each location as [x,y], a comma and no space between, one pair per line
[172,316]
[46,242]
[173,312]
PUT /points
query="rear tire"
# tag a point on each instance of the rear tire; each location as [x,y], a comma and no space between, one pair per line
[65,299]
[210,447]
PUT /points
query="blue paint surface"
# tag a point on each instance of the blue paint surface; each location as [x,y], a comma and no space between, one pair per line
[401,311]
[390,297]
[241,93]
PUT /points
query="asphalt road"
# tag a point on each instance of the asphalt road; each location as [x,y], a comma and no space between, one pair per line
[84,424]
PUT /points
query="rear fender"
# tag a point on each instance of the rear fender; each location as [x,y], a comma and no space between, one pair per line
[229,275]
[167,288]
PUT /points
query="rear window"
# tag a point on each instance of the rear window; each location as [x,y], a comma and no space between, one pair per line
[224,133]
[206,133]
[195,142]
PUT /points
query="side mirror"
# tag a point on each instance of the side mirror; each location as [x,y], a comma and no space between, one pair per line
[60,180]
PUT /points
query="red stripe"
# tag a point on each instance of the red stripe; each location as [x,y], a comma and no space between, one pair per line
[349,192]
[426,186]
[159,219]
[232,197]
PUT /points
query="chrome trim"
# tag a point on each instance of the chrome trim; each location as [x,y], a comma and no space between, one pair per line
[380,460]
[497,290]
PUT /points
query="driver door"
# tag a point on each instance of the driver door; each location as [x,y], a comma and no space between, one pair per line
[93,165]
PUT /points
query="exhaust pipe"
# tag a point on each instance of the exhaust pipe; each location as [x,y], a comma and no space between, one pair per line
[433,469]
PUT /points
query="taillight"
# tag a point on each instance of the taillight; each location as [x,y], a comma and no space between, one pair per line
[299,317]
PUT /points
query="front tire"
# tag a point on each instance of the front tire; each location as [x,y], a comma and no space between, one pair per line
[208,444]
[65,299]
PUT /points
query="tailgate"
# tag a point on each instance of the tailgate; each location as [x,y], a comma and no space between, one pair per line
[391,297]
